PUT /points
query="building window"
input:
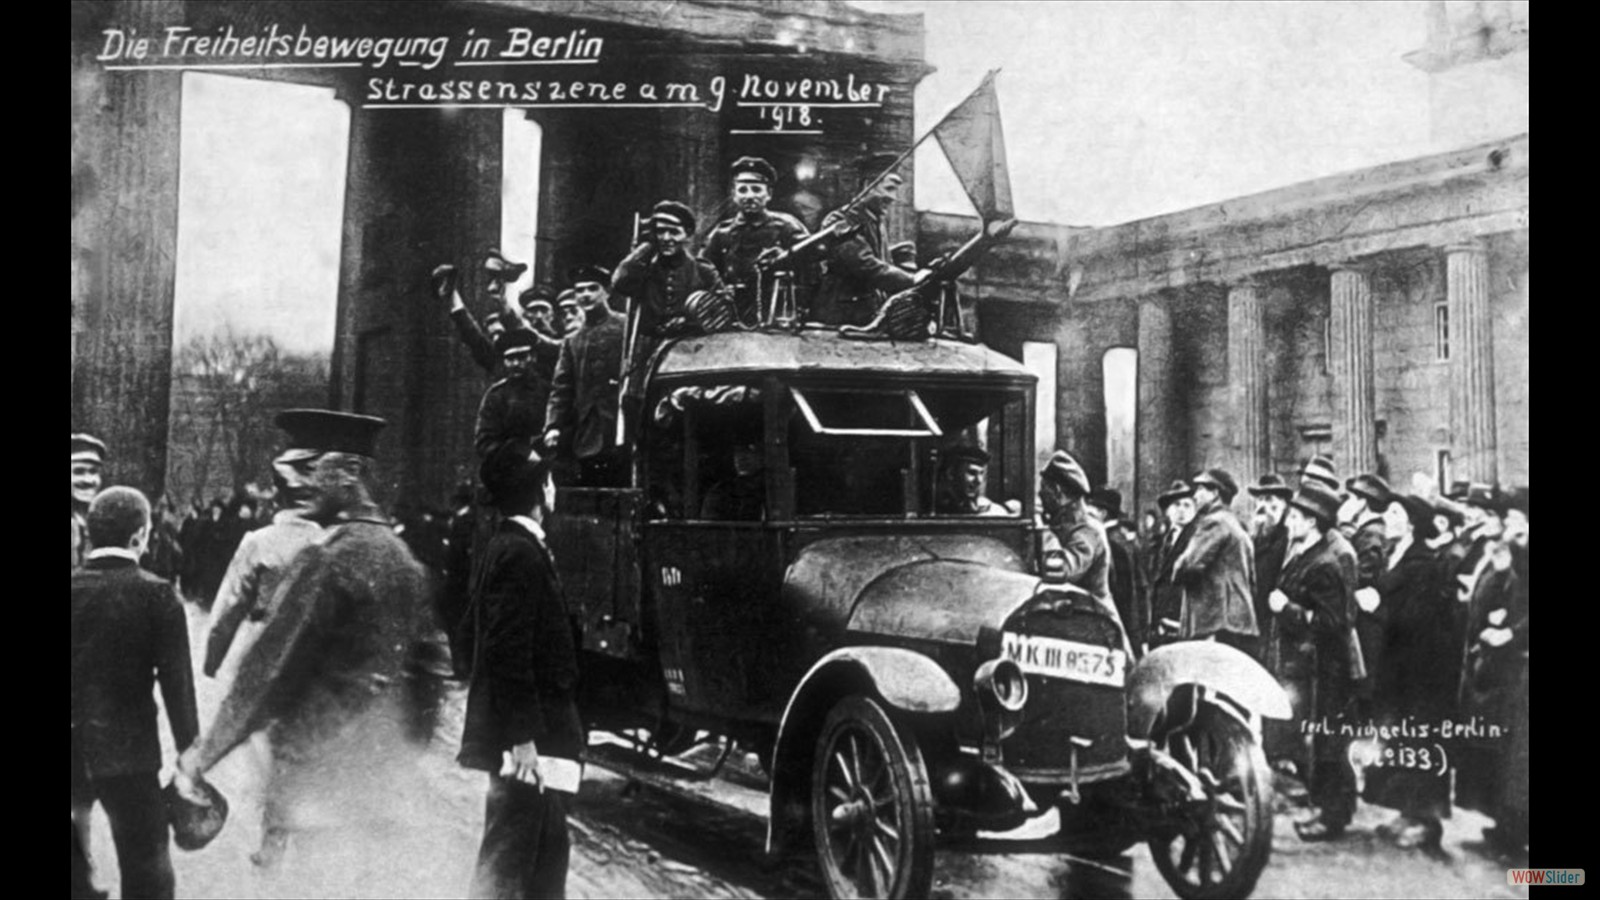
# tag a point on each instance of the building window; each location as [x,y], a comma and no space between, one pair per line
[1442,469]
[1441,332]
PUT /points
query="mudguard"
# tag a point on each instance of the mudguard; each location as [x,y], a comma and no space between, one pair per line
[1216,666]
[905,679]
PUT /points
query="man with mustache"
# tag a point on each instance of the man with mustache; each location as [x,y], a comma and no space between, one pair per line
[754,234]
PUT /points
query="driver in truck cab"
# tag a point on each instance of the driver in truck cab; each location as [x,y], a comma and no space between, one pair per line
[961,475]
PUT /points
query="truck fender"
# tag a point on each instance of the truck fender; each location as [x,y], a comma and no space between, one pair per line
[1216,667]
[905,679]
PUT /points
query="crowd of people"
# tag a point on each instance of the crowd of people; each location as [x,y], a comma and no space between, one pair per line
[1397,623]
[331,625]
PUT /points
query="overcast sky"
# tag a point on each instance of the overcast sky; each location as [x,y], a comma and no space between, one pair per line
[1116,111]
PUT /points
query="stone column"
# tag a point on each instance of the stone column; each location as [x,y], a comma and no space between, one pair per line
[1159,429]
[1472,413]
[1247,383]
[1350,364]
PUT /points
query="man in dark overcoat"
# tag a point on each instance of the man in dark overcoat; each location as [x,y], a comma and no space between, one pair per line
[332,671]
[1217,571]
[581,416]
[128,635]
[1314,605]
[1412,677]
[1127,567]
[1271,541]
[1166,597]
[522,725]
[1369,498]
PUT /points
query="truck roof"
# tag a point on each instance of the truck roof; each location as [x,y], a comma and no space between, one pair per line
[823,352]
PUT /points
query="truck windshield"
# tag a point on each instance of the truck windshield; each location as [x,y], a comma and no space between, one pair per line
[919,451]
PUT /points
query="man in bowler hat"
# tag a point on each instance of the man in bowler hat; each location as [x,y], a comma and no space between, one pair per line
[1314,605]
[1166,597]
[1218,569]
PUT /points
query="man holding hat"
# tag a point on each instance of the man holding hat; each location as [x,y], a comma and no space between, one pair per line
[1062,489]
[129,635]
[857,273]
[1314,605]
[483,342]
[522,725]
[1166,598]
[961,471]
[1218,570]
[660,273]
[331,673]
[88,456]
[754,234]
[581,417]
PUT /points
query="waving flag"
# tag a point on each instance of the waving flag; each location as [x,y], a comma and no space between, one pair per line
[972,140]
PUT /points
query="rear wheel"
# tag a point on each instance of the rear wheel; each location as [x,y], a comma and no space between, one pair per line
[1217,849]
[871,805]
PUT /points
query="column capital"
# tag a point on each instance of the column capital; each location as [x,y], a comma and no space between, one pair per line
[1470,245]
[1350,265]
[1250,281]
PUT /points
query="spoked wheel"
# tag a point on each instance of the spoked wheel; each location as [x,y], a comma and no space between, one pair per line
[871,806]
[1217,849]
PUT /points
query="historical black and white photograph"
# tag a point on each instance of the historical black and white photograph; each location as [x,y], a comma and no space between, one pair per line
[800,448]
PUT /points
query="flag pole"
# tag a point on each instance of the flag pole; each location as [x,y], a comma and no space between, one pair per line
[918,142]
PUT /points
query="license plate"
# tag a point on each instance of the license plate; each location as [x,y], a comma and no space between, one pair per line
[1066,659]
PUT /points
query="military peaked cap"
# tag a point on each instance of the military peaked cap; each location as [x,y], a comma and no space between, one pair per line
[673,212]
[86,447]
[967,453]
[329,431]
[586,273]
[755,165]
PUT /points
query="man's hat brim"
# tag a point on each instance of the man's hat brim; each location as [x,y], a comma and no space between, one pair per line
[330,431]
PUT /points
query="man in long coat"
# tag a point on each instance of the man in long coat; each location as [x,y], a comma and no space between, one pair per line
[1127,568]
[332,671]
[1271,541]
[1166,597]
[1218,570]
[1370,498]
[1412,678]
[1314,605]
[522,725]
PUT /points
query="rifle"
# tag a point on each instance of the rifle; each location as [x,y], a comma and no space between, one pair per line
[905,315]
[630,340]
